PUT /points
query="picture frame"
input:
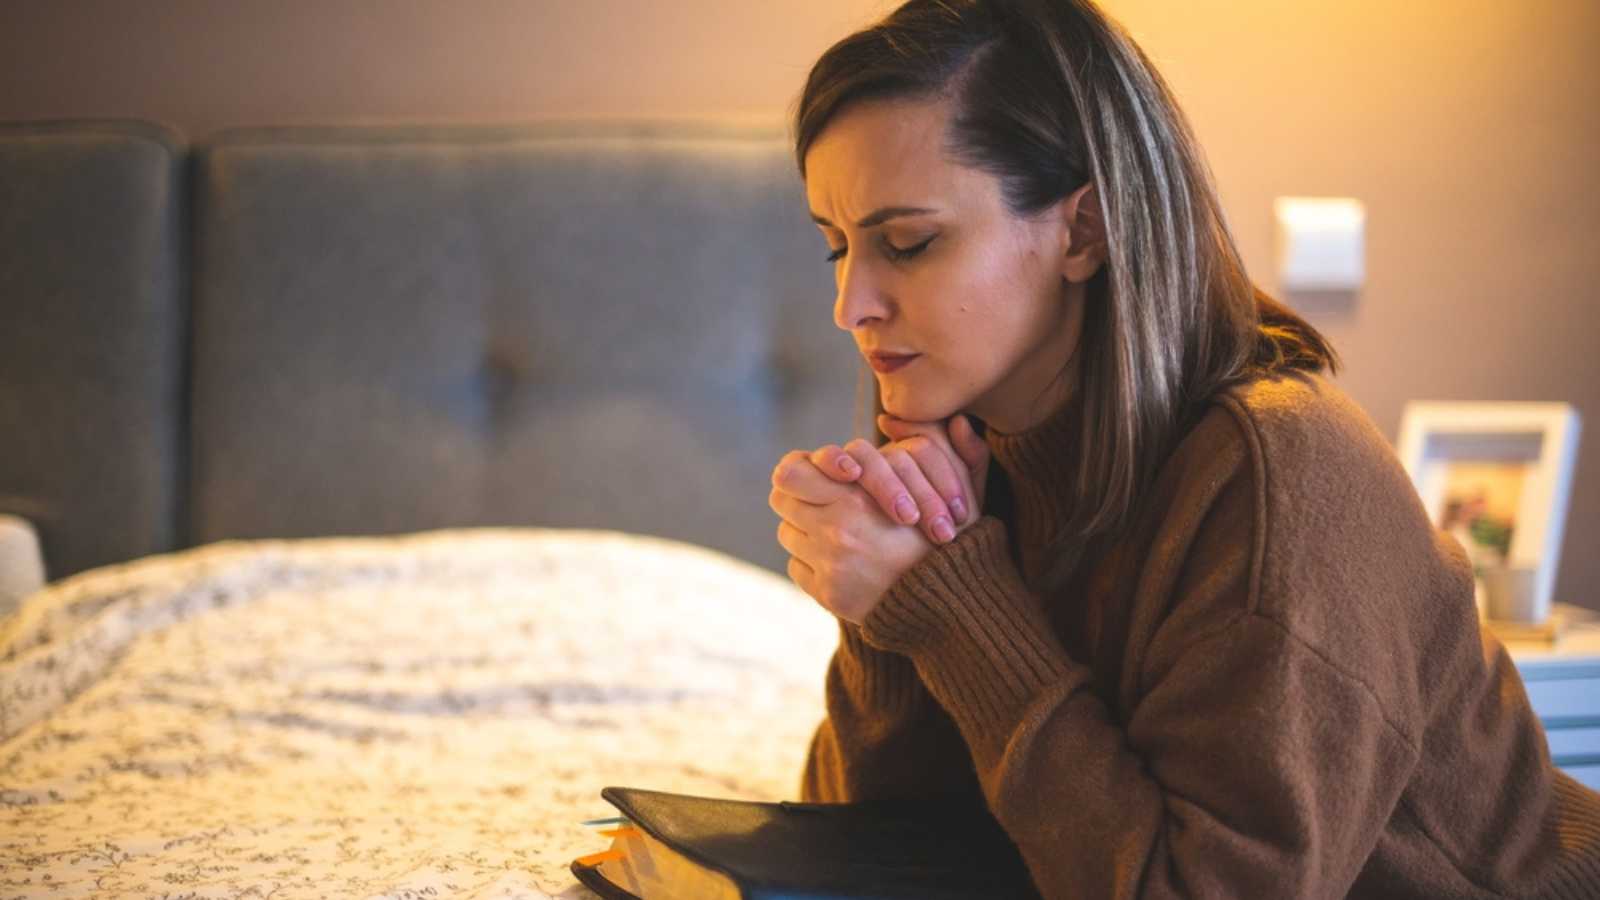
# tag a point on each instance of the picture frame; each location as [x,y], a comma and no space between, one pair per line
[1499,477]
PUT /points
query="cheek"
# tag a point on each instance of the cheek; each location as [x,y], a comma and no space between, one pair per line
[988,309]
[973,292]
[990,323]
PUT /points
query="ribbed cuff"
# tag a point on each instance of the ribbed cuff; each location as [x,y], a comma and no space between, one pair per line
[876,679]
[978,636]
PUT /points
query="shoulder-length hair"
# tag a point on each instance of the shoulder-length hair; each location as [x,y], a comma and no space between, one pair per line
[1048,95]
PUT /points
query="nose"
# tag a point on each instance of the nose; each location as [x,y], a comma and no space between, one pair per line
[858,301]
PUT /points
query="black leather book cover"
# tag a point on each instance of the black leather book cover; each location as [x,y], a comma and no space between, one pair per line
[830,850]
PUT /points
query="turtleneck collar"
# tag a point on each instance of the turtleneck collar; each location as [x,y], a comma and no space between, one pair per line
[1039,463]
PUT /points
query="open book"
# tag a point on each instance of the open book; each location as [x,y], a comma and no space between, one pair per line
[678,847]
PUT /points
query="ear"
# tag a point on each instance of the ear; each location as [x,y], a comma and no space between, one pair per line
[1083,233]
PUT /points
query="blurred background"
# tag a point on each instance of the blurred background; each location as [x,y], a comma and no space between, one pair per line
[1467,128]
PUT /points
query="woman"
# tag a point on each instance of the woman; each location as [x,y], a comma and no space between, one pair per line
[1192,634]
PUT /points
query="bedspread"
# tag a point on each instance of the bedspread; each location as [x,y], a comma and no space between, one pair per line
[425,715]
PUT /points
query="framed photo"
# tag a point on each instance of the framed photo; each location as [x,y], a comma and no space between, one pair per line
[1497,476]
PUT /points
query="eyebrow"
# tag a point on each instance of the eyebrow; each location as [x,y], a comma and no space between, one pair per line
[879,217]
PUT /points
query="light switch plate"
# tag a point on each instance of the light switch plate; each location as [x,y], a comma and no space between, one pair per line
[1320,243]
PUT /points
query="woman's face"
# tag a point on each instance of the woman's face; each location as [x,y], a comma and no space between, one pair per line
[991,304]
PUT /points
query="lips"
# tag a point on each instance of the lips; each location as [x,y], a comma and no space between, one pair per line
[889,362]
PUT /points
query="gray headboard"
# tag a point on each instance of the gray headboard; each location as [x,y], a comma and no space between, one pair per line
[283,332]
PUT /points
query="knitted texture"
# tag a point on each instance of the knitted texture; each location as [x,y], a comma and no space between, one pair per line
[1271,683]
[994,642]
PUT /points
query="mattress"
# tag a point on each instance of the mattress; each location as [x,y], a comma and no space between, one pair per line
[423,715]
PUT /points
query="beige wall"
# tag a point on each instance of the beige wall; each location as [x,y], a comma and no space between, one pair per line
[1468,127]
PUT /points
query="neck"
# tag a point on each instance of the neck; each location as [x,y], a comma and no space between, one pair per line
[1040,463]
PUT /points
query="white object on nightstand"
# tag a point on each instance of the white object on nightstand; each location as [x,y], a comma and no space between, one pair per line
[1563,682]
[21,566]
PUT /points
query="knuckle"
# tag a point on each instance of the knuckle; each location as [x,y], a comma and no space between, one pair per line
[882,498]
[842,539]
[858,446]
[832,534]
[784,474]
[845,543]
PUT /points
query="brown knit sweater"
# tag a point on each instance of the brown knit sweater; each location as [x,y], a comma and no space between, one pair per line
[1272,684]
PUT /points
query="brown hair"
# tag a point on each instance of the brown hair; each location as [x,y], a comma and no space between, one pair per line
[1049,94]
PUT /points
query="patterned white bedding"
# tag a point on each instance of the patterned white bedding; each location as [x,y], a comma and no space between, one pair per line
[429,715]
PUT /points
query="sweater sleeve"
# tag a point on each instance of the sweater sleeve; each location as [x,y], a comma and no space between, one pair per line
[1219,782]
[884,736]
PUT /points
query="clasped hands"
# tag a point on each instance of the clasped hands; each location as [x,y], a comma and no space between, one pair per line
[855,518]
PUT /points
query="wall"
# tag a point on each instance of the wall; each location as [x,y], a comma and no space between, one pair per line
[1468,128]
[202,65]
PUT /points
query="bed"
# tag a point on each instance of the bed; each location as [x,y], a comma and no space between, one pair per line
[393,490]
[424,715]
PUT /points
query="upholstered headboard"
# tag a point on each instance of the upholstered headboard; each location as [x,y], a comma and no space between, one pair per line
[285,332]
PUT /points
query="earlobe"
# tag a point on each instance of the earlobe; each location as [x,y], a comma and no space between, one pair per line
[1083,261]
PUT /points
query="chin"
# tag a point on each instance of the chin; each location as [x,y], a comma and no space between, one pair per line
[919,409]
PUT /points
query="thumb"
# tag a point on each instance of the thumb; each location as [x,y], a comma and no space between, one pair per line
[974,452]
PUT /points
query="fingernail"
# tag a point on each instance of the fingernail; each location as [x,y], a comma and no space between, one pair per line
[848,466]
[959,508]
[943,530]
[905,509]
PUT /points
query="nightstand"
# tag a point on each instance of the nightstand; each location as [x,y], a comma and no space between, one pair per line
[1563,682]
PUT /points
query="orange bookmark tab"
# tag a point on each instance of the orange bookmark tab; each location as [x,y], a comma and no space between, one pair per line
[595,858]
[624,831]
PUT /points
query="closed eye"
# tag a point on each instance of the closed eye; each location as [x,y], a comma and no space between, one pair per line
[897,254]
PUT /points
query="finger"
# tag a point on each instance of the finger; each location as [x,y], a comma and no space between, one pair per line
[901,429]
[940,462]
[803,576]
[965,445]
[798,513]
[832,461]
[796,476]
[937,523]
[796,542]
[944,472]
[881,483]
[974,451]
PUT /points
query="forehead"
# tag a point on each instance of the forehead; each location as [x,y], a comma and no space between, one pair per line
[881,152]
